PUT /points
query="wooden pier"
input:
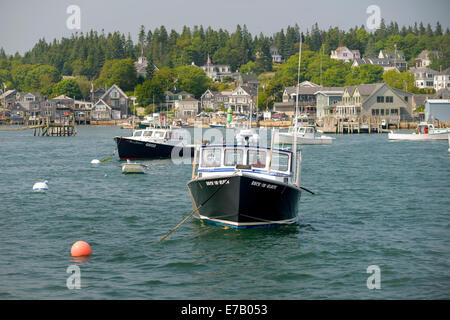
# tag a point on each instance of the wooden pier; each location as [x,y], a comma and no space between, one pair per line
[45,127]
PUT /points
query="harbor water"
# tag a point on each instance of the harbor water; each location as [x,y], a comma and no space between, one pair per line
[377,203]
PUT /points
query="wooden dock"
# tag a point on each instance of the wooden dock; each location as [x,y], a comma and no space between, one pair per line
[45,127]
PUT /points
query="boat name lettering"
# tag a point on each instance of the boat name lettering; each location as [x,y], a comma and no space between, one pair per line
[264,185]
[152,145]
[217,182]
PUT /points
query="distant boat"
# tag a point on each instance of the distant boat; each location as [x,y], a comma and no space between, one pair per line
[305,135]
[425,132]
[133,167]
[216,125]
[152,143]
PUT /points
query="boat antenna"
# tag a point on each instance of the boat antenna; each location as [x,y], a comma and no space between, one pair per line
[294,145]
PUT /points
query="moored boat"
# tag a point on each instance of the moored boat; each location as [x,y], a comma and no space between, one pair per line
[425,132]
[153,143]
[305,135]
[245,186]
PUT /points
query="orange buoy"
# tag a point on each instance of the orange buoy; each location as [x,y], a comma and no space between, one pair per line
[80,248]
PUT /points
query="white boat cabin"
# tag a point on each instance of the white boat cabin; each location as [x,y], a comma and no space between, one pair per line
[307,130]
[219,160]
[428,128]
[161,135]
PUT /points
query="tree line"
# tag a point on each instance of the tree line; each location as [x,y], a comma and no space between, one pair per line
[105,58]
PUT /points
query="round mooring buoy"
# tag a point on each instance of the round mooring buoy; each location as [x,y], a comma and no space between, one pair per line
[80,248]
[40,186]
[95,161]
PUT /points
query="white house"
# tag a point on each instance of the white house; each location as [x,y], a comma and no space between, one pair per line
[345,54]
[216,71]
[442,80]
[276,56]
[424,77]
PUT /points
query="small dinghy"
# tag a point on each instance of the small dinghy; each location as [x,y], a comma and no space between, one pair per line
[133,167]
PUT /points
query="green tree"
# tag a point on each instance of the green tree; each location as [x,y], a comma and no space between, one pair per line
[192,79]
[68,87]
[400,80]
[120,72]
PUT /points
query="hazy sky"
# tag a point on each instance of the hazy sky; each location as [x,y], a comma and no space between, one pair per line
[23,22]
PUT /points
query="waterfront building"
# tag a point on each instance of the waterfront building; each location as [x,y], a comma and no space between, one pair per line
[186,108]
[112,105]
[376,99]
[326,99]
[437,110]
[306,99]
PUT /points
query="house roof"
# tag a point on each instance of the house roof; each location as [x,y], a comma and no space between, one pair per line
[7,93]
[424,54]
[110,89]
[102,102]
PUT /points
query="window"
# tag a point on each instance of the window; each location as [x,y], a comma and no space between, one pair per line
[429,83]
[137,133]
[257,159]
[211,157]
[148,133]
[406,98]
[382,112]
[234,157]
[387,112]
[280,161]
[380,99]
[389,99]
[114,94]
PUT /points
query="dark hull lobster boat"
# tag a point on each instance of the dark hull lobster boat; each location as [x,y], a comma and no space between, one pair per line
[153,143]
[245,186]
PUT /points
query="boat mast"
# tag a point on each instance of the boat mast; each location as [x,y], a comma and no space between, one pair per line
[294,144]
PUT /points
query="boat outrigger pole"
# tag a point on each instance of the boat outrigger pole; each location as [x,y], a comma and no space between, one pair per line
[294,144]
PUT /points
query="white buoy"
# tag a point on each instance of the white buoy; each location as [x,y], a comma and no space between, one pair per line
[95,161]
[40,186]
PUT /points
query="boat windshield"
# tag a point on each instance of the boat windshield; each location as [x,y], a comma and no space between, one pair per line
[137,133]
[301,130]
[231,156]
[234,157]
[148,133]
[211,157]
[159,134]
[280,161]
[257,158]
[310,130]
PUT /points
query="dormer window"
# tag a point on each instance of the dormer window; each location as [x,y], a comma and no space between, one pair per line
[114,94]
